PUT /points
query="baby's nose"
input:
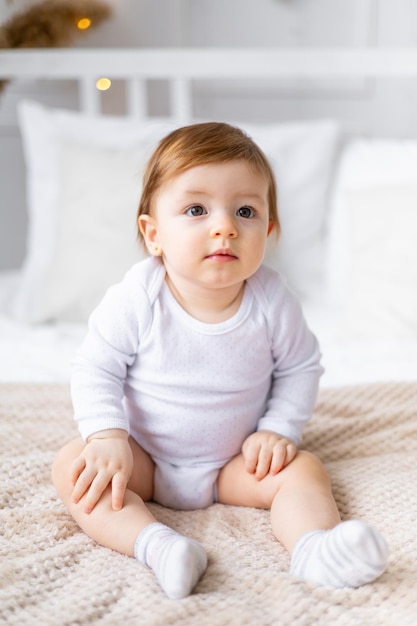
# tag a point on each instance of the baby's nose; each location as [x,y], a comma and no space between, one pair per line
[224,227]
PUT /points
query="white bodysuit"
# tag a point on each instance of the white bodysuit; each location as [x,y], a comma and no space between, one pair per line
[190,392]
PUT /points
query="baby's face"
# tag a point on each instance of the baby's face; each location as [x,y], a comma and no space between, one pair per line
[211,223]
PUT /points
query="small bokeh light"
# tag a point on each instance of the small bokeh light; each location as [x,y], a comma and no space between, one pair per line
[84,23]
[103,84]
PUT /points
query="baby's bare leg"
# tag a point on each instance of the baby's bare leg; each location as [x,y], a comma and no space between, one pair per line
[113,529]
[178,562]
[305,519]
[299,497]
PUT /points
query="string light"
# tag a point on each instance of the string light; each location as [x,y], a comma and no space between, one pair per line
[103,84]
[84,23]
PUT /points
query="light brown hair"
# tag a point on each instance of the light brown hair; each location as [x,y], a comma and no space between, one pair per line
[202,144]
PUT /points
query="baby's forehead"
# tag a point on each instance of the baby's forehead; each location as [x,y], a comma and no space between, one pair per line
[229,166]
[232,179]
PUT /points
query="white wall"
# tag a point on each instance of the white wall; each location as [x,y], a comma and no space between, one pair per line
[378,108]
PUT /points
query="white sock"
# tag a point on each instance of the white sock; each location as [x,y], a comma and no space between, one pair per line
[349,555]
[178,562]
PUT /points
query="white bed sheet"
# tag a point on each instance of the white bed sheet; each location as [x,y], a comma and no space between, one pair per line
[34,353]
[350,361]
[43,353]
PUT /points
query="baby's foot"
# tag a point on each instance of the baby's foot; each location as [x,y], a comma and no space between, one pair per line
[349,555]
[178,562]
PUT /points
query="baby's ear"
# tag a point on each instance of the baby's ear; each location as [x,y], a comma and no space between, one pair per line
[149,230]
[271,227]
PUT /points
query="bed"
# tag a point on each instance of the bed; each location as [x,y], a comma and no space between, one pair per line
[347,204]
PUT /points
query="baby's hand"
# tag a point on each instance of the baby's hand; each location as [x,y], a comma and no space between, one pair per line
[266,452]
[106,459]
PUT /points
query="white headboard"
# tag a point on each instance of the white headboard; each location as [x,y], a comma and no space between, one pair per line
[181,66]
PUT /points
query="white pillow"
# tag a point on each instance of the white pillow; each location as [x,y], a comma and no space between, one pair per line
[303,156]
[383,274]
[84,181]
[95,236]
[372,263]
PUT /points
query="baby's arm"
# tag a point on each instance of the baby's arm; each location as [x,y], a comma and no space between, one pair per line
[296,365]
[97,387]
[266,452]
[106,459]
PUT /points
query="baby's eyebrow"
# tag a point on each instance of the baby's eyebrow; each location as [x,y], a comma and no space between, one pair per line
[255,196]
[241,194]
[194,192]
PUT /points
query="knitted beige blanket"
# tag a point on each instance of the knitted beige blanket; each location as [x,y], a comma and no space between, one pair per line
[52,574]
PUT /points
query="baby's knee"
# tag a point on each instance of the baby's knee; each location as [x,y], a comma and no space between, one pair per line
[304,471]
[308,464]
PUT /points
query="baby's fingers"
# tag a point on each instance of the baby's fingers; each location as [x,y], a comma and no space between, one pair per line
[264,462]
[250,454]
[77,467]
[119,484]
[282,454]
[82,484]
[89,484]
[97,487]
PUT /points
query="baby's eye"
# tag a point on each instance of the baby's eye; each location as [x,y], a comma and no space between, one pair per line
[196,210]
[246,212]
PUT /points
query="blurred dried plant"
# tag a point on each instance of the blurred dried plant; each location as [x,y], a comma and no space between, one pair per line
[50,23]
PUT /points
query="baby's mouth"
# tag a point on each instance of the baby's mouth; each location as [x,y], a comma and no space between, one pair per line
[222,255]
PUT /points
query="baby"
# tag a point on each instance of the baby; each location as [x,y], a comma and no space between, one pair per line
[197,376]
